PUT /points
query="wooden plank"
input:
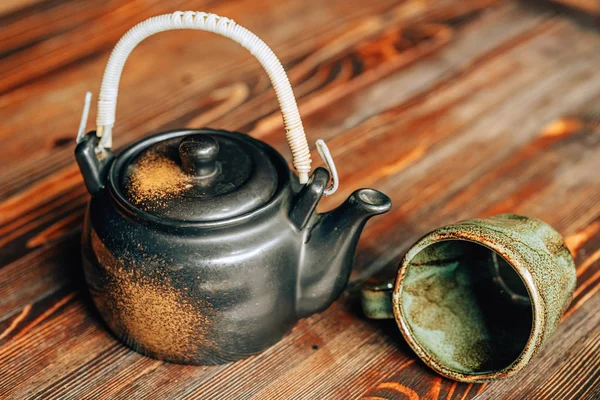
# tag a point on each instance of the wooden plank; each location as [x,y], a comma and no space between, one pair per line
[591,7]
[450,109]
[10,6]
[194,72]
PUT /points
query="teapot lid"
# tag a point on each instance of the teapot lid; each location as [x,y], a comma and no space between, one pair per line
[199,175]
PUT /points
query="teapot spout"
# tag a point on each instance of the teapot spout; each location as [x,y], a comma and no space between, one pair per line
[329,248]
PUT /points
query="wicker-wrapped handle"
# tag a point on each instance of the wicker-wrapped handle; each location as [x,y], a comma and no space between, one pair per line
[107,101]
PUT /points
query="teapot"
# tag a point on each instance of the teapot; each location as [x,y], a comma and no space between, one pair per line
[200,246]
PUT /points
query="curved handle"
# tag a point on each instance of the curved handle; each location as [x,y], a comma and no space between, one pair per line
[376,299]
[107,101]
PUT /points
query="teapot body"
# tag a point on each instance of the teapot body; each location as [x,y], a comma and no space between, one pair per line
[198,245]
[219,270]
[199,293]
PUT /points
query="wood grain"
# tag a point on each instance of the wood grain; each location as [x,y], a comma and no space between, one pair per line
[455,109]
[591,7]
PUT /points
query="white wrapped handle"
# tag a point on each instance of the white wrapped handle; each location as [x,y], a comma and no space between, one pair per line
[107,101]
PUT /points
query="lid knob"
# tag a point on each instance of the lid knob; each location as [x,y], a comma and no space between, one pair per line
[198,155]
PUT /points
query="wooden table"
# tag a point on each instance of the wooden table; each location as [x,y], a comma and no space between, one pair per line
[454,108]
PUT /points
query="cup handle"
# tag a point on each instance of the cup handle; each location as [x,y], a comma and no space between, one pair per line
[376,299]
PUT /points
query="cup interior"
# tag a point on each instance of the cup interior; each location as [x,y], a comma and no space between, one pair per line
[466,307]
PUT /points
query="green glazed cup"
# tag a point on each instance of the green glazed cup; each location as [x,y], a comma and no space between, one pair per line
[477,300]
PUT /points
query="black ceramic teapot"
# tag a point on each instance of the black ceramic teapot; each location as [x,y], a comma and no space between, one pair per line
[200,246]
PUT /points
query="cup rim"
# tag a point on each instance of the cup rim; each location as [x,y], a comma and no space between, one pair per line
[514,260]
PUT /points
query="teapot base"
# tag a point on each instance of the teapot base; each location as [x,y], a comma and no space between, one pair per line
[207,358]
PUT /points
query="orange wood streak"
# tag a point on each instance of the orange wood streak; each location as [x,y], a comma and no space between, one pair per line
[23,65]
[588,262]
[464,396]
[15,322]
[538,145]
[419,100]
[8,6]
[575,306]
[39,193]
[56,230]
[407,13]
[509,203]
[434,392]
[314,104]
[578,239]
[409,393]
[562,127]
[402,162]
[481,387]
[55,205]
[582,286]
[398,370]
[229,97]
[45,315]
[22,229]
[451,391]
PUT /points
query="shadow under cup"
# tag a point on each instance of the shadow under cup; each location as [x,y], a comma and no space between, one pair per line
[466,306]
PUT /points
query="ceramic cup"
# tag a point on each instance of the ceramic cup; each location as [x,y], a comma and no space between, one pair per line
[476,300]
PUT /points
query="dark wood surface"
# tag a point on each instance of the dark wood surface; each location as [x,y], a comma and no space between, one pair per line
[590,7]
[454,108]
